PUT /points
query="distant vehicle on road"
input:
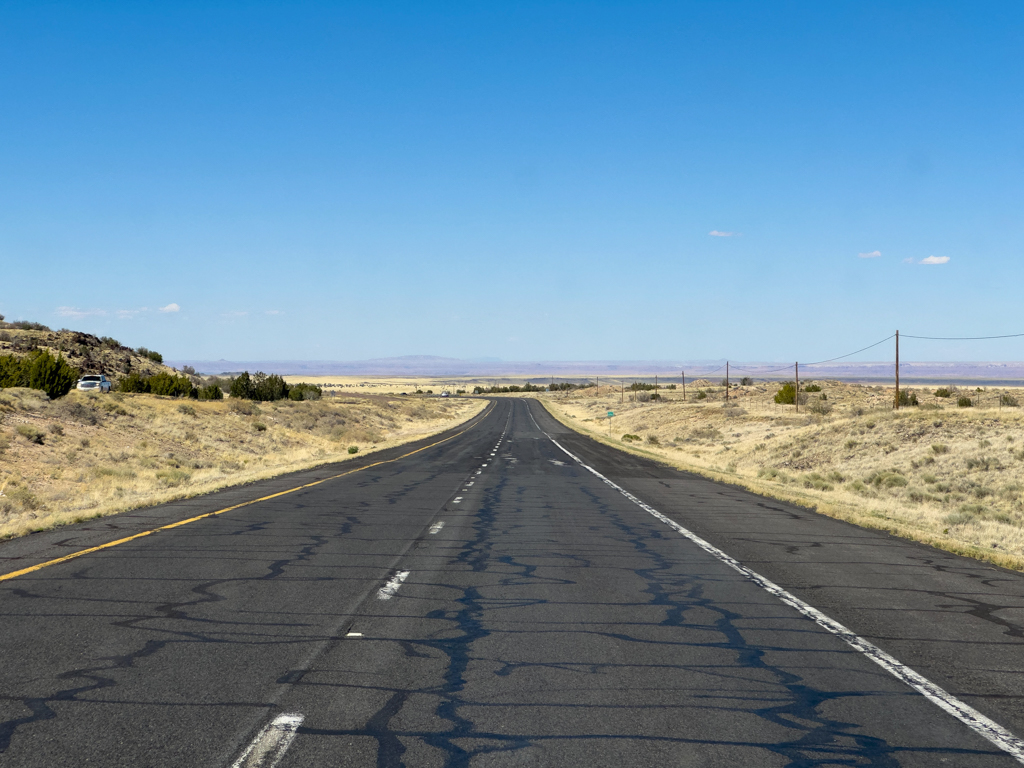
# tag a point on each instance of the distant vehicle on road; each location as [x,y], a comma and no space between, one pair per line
[93,384]
[445,394]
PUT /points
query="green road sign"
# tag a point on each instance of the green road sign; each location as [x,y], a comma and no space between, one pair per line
[610,414]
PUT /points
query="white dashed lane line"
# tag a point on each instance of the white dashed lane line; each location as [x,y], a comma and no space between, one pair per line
[457,500]
[391,588]
[270,744]
[437,526]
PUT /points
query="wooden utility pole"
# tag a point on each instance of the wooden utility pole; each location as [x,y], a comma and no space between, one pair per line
[796,398]
[598,378]
[897,370]
[726,381]
[622,392]
[684,385]
[655,383]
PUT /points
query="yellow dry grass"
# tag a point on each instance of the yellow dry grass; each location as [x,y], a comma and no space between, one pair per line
[90,455]
[947,476]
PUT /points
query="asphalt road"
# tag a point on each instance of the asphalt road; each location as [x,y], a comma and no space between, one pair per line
[506,597]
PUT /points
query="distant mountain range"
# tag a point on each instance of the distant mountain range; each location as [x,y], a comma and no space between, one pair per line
[432,366]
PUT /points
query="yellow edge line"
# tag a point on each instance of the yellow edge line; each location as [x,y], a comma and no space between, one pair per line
[109,544]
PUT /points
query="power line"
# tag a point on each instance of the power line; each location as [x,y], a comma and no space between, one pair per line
[962,338]
[820,362]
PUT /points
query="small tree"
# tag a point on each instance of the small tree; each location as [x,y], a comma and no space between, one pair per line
[211,392]
[241,386]
[50,374]
[787,394]
[133,382]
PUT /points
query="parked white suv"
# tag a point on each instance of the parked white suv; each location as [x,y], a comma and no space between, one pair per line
[93,384]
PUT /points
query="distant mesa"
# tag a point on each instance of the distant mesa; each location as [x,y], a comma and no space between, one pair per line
[433,365]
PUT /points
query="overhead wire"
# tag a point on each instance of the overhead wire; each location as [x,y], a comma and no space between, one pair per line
[961,338]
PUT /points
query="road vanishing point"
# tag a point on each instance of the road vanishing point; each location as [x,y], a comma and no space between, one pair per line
[509,593]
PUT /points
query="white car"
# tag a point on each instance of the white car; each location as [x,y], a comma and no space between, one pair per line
[93,384]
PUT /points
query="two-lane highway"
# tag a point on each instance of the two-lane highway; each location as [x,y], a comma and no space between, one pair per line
[508,594]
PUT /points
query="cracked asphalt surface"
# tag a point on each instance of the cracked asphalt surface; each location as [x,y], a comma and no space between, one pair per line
[549,621]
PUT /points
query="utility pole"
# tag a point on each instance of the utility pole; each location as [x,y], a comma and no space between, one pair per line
[598,385]
[655,383]
[727,381]
[622,393]
[796,399]
[684,385]
[897,406]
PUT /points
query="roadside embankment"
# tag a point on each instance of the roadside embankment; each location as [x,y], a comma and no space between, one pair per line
[940,474]
[91,455]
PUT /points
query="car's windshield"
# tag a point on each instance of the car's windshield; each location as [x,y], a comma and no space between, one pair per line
[90,378]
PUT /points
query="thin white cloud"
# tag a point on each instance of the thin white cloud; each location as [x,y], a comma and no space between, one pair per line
[908,260]
[934,260]
[273,312]
[870,255]
[716,233]
[78,314]
[130,314]
[172,307]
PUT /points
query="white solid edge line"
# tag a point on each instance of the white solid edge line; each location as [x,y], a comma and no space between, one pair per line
[388,590]
[270,744]
[963,712]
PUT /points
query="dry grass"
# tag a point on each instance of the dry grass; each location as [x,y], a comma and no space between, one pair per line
[947,476]
[90,455]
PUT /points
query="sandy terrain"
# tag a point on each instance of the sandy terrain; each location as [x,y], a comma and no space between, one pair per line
[89,455]
[945,475]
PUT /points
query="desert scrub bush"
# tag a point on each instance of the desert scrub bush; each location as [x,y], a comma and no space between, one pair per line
[243,407]
[149,354]
[984,463]
[259,426]
[786,394]
[708,433]
[818,482]
[31,434]
[701,394]
[940,448]
[1008,401]
[353,449]
[304,391]
[210,392]
[943,392]
[172,478]
[746,381]
[628,438]
[653,440]
[812,388]
[55,429]
[851,444]
[907,398]
[820,407]
[964,402]
[886,479]
[186,409]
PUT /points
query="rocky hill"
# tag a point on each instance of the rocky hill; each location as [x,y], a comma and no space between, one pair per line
[87,353]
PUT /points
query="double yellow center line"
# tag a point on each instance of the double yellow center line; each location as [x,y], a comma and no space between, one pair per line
[109,544]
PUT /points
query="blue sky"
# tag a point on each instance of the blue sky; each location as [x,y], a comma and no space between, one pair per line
[528,181]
